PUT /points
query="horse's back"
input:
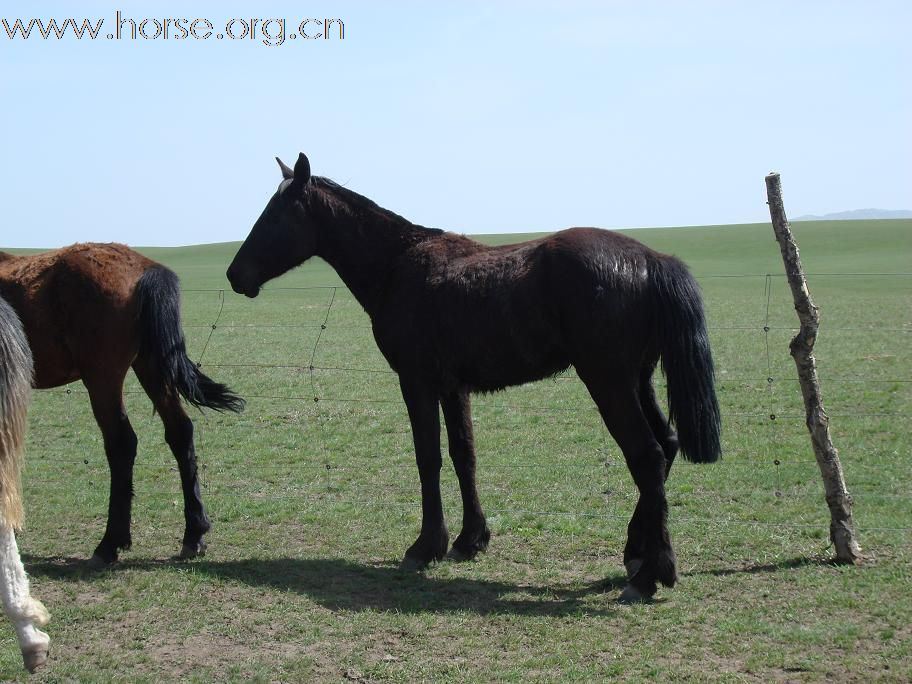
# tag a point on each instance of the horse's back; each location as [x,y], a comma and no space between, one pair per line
[589,255]
[591,267]
[113,267]
[110,270]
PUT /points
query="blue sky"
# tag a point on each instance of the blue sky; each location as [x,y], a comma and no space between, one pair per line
[474,117]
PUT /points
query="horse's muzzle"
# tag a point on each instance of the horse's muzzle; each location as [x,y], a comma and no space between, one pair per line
[242,284]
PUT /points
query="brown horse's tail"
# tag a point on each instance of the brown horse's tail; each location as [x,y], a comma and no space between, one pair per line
[687,360]
[162,344]
[15,391]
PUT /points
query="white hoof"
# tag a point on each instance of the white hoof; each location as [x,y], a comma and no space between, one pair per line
[35,656]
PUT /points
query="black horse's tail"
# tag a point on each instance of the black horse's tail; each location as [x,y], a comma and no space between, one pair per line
[686,360]
[162,345]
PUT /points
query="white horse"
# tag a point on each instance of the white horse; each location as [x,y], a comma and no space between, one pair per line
[25,612]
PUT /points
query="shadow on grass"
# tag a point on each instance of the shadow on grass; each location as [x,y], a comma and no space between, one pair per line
[338,584]
[780,566]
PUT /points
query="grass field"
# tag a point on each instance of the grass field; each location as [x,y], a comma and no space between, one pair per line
[314,502]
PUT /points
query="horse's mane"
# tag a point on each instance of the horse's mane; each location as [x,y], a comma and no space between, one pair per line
[340,199]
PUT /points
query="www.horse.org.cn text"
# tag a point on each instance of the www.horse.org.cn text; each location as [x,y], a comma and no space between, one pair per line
[271,32]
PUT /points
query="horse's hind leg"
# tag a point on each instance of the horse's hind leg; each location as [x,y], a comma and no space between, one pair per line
[25,612]
[661,428]
[647,534]
[106,397]
[474,537]
[179,436]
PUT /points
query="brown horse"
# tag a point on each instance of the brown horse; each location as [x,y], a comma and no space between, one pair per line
[91,311]
[453,316]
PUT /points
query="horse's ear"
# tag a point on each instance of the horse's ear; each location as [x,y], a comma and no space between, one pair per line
[287,173]
[301,171]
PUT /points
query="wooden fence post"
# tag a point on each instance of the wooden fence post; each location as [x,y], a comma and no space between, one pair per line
[842,527]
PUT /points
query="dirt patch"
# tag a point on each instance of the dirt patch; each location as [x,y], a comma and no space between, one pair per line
[182,655]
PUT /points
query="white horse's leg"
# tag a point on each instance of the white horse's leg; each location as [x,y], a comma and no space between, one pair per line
[23,611]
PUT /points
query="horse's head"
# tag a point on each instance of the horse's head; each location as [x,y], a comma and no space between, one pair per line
[283,237]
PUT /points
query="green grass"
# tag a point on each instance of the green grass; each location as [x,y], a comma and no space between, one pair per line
[313,503]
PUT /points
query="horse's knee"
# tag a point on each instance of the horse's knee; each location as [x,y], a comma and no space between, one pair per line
[179,433]
[120,442]
[648,466]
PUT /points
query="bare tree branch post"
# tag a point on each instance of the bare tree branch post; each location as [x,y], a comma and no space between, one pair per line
[842,527]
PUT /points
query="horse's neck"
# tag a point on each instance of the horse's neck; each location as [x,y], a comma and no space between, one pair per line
[363,249]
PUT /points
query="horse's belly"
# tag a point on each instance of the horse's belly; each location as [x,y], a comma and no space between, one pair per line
[492,362]
[54,364]
[500,377]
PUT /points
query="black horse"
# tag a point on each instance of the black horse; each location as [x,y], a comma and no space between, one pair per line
[453,316]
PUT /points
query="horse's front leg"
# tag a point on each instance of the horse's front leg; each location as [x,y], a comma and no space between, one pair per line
[423,410]
[474,537]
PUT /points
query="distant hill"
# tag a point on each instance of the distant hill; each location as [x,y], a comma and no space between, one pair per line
[858,215]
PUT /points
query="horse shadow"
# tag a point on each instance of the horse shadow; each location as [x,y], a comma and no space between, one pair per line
[340,585]
[769,568]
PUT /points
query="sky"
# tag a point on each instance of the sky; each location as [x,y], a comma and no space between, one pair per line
[475,117]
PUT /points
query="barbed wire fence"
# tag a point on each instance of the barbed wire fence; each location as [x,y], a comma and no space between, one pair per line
[775,406]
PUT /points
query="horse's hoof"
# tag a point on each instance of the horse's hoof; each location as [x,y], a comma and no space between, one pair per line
[427,549]
[633,566]
[461,555]
[412,564]
[458,556]
[197,550]
[97,562]
[468,545]
[35,658]
[632,595]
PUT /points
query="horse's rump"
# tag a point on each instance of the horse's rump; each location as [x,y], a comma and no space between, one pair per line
[77,306]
